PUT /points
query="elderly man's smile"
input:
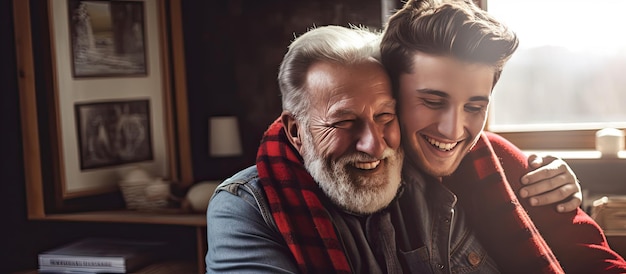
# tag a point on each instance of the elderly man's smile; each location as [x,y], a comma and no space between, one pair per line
[367,165]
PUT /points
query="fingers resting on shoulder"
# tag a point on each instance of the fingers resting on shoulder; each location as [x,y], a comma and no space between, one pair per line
[551,181]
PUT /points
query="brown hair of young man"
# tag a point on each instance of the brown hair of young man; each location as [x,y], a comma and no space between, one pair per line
[456,28]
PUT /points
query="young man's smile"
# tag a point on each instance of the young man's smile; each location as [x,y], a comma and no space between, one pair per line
[442,146]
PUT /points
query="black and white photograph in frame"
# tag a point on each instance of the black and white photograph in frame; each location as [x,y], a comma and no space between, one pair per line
[113,133]
[107,38]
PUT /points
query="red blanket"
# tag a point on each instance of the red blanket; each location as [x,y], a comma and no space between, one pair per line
[499,220]
[574,237]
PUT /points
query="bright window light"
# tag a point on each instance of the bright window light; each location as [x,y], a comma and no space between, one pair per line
[570,69]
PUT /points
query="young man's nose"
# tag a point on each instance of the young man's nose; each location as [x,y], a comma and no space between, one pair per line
[371,140]
[451,124]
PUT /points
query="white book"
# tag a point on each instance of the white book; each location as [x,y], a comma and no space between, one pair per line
[95,255]
[68,270]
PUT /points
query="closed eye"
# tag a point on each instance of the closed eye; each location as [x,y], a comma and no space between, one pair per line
[385,118]
[474,109]
[343,124]
[433,103]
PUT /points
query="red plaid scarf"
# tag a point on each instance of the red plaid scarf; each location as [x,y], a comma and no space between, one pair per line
[296,207]
[501,223]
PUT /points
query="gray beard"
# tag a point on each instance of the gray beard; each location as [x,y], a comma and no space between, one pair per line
[353,192]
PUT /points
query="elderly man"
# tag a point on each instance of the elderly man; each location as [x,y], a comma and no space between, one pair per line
[326,194]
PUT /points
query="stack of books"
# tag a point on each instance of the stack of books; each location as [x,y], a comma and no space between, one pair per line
[610,213]
[96,255]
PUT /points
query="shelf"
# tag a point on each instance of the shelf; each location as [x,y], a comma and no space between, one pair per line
[164,217]
[165,267]
[580,155]
[614,233]
[161,217]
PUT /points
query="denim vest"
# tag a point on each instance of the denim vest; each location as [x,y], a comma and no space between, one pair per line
[421,231]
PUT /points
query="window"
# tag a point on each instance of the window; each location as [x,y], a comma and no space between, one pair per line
[568,77]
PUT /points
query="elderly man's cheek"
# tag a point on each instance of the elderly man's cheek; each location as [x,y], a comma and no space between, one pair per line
[392,135]
[331,143]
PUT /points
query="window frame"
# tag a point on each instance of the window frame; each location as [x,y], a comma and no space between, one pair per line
[551,140]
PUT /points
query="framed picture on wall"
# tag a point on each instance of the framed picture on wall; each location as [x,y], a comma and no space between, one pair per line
[107,38]
[113,133]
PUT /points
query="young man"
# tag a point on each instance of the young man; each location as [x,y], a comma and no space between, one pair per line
[326,194]
[444,58]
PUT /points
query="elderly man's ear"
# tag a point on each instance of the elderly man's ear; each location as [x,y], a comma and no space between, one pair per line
[291,127]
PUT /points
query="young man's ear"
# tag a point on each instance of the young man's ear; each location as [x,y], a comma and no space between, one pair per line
[291,127]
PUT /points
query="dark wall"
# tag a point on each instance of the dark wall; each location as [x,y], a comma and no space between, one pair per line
[233,51]
[11,168]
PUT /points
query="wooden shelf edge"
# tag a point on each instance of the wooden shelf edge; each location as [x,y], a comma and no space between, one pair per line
[174,217]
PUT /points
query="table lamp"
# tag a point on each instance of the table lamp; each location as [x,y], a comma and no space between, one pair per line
[224,139]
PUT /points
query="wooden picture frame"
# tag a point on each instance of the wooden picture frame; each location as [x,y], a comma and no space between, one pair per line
[68,91]
[49,93]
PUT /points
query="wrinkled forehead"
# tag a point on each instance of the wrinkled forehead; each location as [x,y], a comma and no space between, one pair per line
[333,75]
[352,85]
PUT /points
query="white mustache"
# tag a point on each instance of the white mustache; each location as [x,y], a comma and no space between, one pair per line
[361,158]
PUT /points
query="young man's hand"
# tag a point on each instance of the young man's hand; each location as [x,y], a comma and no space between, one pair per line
[551,181]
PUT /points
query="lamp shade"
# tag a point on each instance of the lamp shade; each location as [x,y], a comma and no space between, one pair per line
[224,139]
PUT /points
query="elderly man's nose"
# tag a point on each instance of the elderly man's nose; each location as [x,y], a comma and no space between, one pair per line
[371,141]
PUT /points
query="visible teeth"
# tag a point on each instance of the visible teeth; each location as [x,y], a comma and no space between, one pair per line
[367,165]
[441,146]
